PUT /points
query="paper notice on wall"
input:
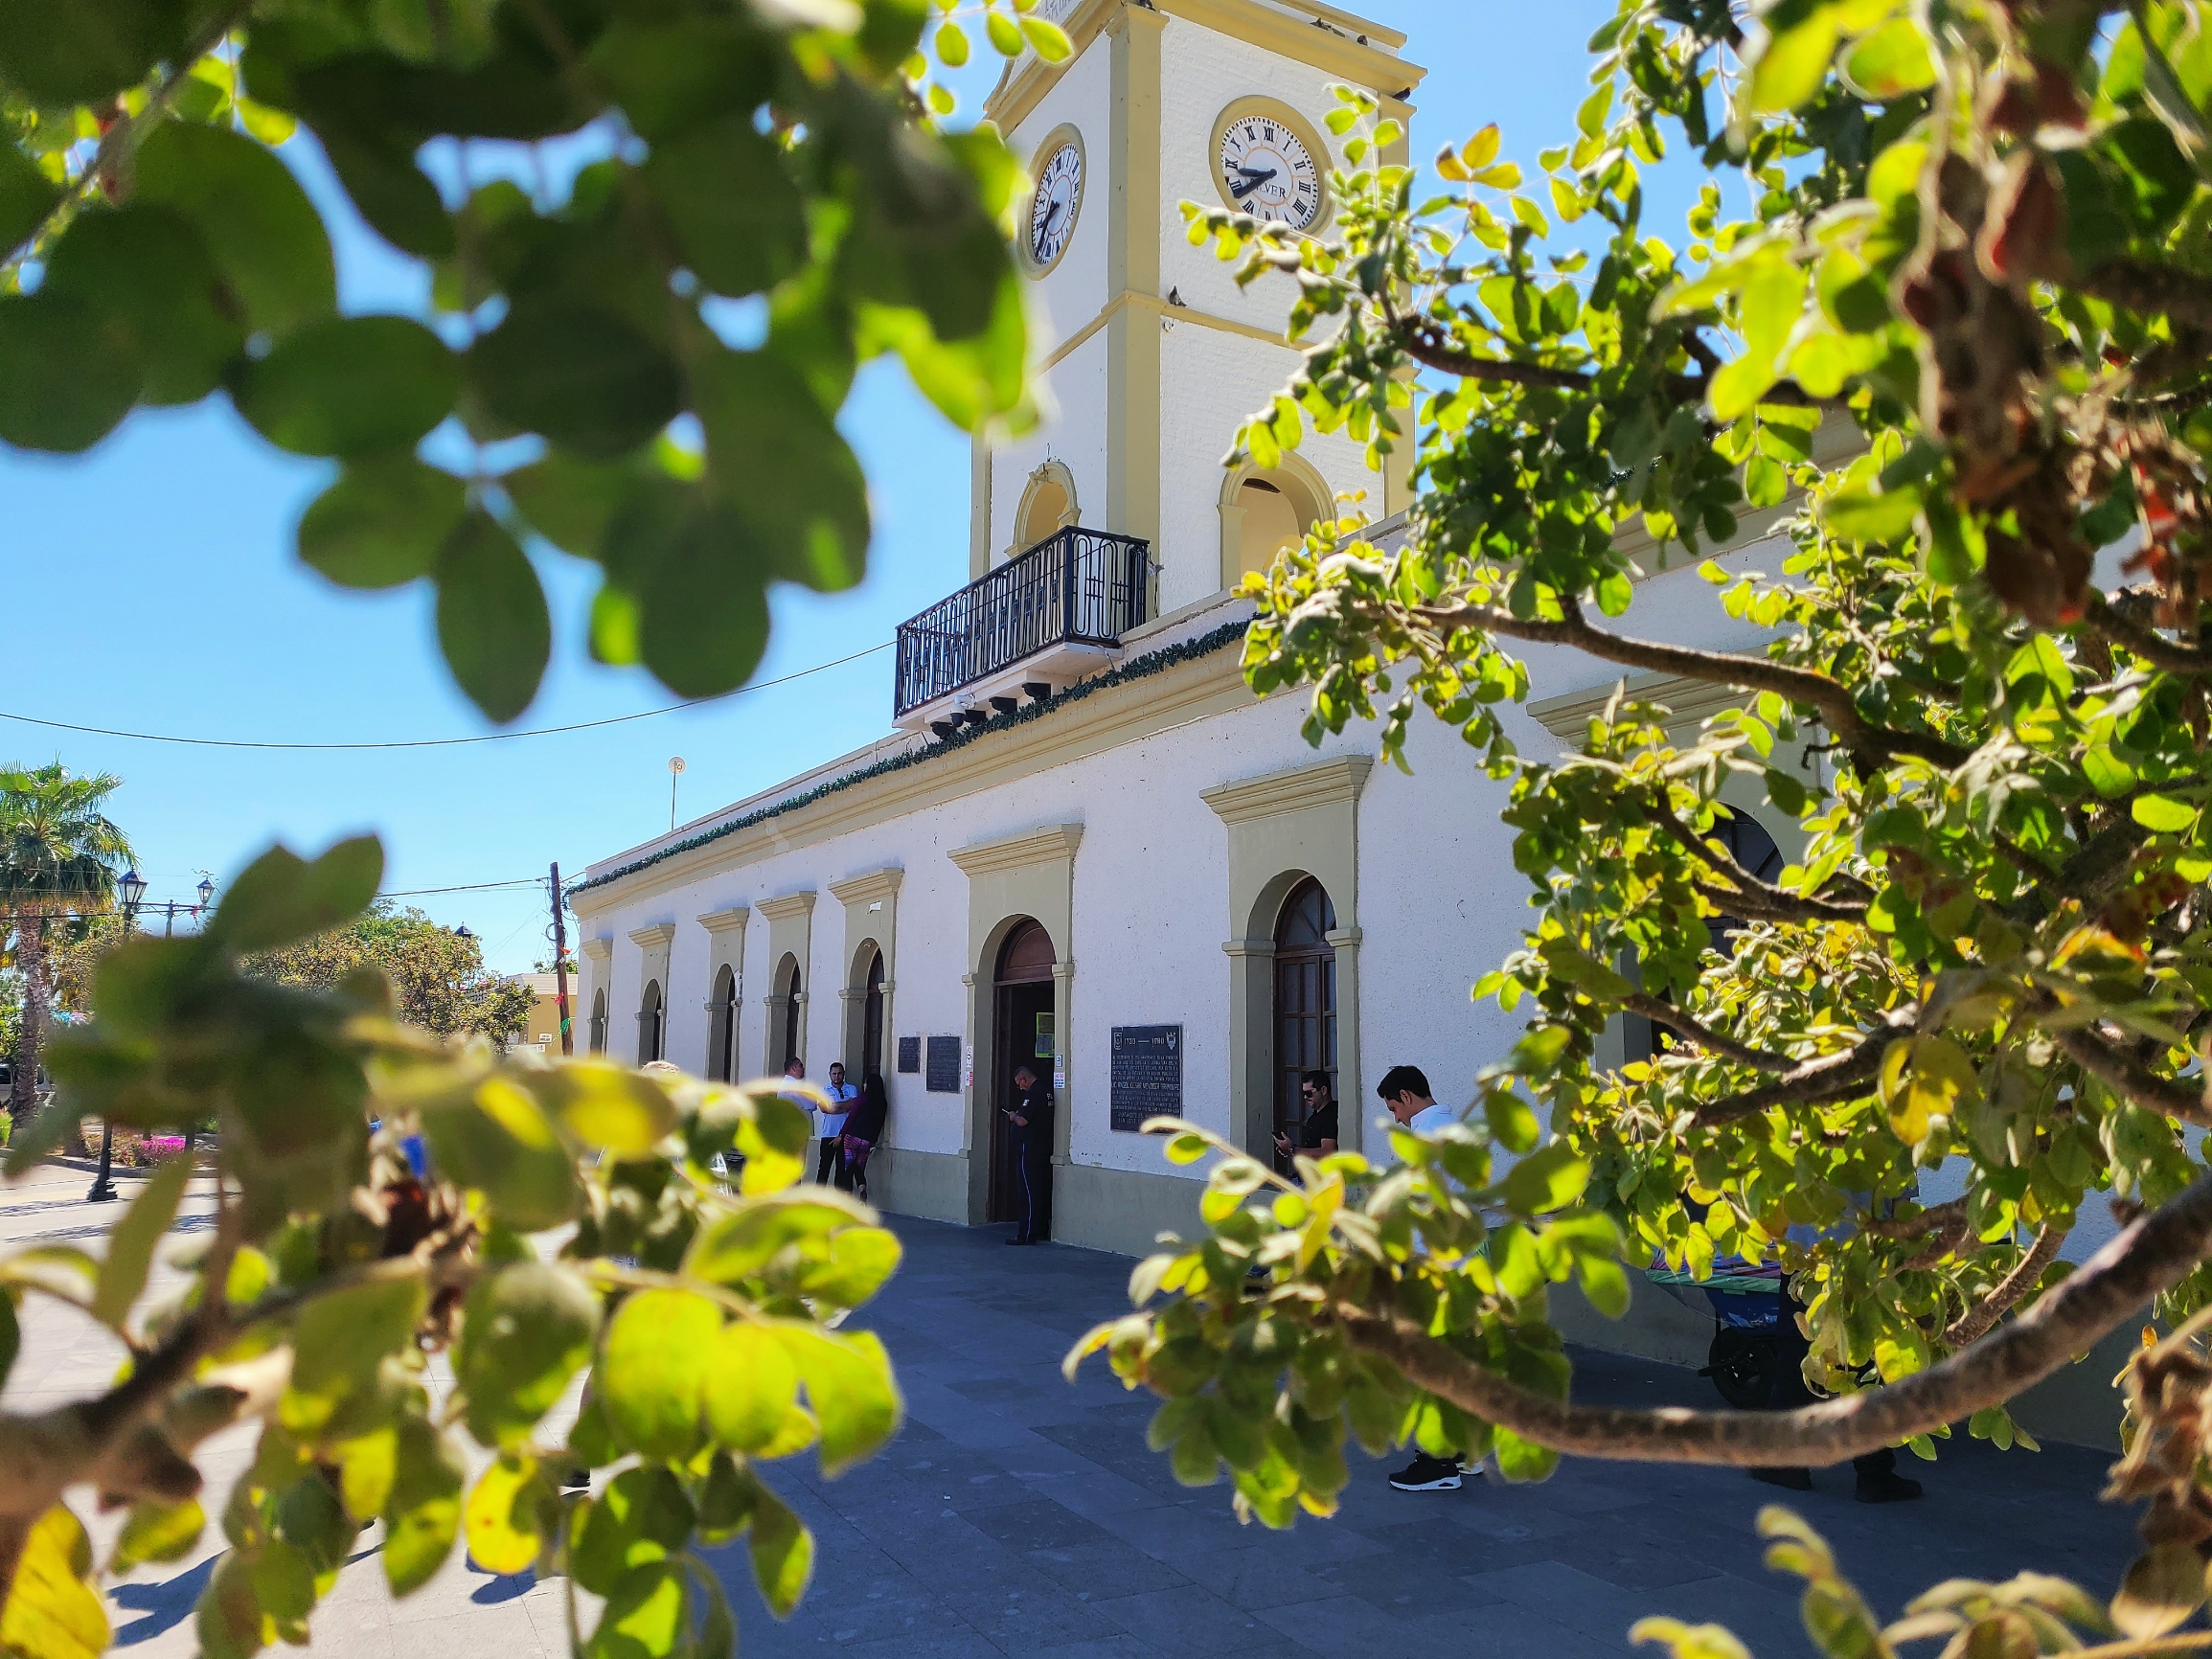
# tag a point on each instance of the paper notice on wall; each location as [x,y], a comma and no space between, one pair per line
[968,1066]
[1059,1076]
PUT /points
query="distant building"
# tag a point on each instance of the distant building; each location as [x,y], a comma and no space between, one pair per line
[543,1030]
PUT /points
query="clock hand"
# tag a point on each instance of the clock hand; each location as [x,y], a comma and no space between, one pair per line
[1252,182]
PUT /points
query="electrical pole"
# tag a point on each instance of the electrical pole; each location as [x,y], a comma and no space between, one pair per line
[561,965]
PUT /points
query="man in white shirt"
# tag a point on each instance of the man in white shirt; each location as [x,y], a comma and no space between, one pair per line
[1405,1091]
[829,1163]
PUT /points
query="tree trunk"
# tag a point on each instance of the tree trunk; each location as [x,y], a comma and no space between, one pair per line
[31,963]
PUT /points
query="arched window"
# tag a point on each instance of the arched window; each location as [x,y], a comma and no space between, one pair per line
[648,1024]
[872,1016]
[1047,505]
[722,1027]
[1305,998]
[596,1038]
[792,988]
[1263,511]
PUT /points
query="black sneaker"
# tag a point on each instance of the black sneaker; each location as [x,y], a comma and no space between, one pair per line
[1428,1474]
[1886,1486]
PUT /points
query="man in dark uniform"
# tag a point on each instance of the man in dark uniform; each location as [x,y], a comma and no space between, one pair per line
[1031,1117]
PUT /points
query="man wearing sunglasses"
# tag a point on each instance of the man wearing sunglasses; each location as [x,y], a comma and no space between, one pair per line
[1316,1132]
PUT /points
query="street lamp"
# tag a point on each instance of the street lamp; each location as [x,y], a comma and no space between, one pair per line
[206,891]
[132,890]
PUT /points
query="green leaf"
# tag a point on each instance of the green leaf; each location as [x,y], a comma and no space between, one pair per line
[1788,66]
[492,622]
[583,376]
[26,197]
[1605,1284]
[423,1516]
[382,522]
[2160,1591]
[607,1107]
[1047,40]
[498,1141]
[779,463]
[52,1613]
[68,372]
[647,1615]
[1549,1179]
[156,1531]
[149,272]
[705,621]
[1512,1123]
[338,1341]
[1891,62]
[1689,1641]
[256,221]
[568,501]
[399,203]
[751,1385]
[740,222]
[281,896]
[526,1330]
[131,1242]
[349,386]
[2111,776]
[642,1516]
[783,1553]
[60,56]
[850,1386]
[2162,813]
[734,1247]
[652,1369]
[1522,1459]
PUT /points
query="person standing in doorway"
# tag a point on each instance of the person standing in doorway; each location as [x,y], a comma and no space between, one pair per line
[1405,1091]
[830,1162]
[1031,1119]
[1317,1135]
[863,1128]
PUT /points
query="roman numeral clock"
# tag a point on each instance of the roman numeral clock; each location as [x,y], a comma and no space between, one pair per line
[1269,163]
[1058,168]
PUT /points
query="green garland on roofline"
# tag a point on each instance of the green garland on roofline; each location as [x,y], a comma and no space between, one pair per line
[1136,668]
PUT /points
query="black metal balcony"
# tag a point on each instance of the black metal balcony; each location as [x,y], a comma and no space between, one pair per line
[1076,587]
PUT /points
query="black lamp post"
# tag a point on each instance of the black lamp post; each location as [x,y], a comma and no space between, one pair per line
[132,890]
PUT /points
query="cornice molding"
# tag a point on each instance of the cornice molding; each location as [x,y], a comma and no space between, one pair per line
[877,884]
[1328,783]
[788,905]
[1209,685]
[730,921]
[1568,716]
[601,949]
[1016,851]
[653,938]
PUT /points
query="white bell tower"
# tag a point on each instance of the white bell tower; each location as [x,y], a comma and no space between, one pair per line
[1150,353]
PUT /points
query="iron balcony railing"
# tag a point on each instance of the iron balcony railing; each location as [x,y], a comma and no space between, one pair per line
[1078,585]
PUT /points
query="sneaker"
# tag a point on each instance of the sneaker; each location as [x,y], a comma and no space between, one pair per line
[1794,1480]
[1887,1487]
[1428,1474]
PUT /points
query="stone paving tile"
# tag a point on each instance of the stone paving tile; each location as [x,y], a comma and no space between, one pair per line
[1018,1518]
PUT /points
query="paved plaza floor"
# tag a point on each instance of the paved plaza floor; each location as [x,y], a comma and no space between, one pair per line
[1016,1515]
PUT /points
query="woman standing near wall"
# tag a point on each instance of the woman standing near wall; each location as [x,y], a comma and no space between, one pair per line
[863,1128]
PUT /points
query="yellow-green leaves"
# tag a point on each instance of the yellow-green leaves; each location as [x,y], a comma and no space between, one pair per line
[510,1513]
[281,896]
[423,1511]
[527,1329]
[783,1552]
[1689,1641]
[643,1516]
[1550,1178]
[654,1364]
[1923,1081]
[1837,1615]
[131,1243]
[339,1340]
[850,1386]
[1891,62]
[52,1613]
[2161,1589]
[607,1107]
[499,1141]
[752,1387]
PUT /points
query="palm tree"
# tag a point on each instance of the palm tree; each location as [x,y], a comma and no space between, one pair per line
[60,855]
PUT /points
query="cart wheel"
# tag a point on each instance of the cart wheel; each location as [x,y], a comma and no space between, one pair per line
[1742,1369]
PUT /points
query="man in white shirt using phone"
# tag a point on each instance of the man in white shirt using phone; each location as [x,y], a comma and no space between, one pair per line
[829,1165]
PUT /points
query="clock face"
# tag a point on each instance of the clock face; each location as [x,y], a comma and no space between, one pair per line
[1052,209]
[1268,171]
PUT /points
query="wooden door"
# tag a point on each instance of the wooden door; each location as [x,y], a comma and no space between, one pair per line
[871,1020]
[1305,999]
[1024,991]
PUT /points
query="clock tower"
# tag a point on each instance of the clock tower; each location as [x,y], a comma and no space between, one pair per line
[1149,353]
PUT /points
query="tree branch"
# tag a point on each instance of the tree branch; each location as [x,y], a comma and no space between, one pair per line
[1663,1012]
[2152,290]
[1815,1082]
[1972,1327]
[2147,643]
[1912,1226]
[1420,341]
[1807,686]
[2125,1074]
[1753,899]
[2147,1257]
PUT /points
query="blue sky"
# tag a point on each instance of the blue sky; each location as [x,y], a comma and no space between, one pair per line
[153,589]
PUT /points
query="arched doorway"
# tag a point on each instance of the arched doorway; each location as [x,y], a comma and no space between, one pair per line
[648,1024]
[872,1016]
[1305,999]
[1265,511]
[722,1027]
[1023,1027]
[596,1037]
[1047,505]
[784,1024]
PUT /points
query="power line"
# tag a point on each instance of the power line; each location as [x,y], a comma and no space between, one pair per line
[441,742]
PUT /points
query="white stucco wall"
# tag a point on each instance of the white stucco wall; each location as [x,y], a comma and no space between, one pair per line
[1073,433]
[1074,290]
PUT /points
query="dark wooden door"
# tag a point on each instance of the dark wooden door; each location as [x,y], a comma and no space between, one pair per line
[1305,998]
[871,1020]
